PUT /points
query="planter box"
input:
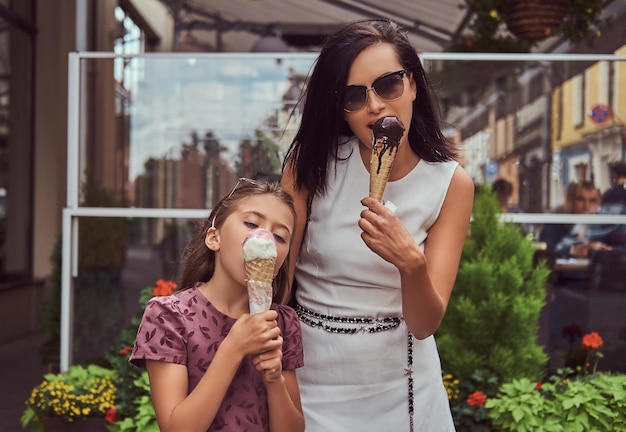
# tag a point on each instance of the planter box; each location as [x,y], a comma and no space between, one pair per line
[55,424]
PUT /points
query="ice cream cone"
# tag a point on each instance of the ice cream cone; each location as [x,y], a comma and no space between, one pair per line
[380,169]
[387,134]
[259,252]
[260,273]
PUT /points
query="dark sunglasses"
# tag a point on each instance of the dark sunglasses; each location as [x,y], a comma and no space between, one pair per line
[388,87]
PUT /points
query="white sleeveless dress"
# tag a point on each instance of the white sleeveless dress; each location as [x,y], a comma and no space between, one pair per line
[355,378]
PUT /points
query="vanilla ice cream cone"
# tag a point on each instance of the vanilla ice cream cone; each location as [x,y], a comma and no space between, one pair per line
[259,252]
[387,134]
[260,273]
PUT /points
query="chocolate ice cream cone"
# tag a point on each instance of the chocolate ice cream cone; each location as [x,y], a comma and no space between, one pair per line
[387,134]
[380,168]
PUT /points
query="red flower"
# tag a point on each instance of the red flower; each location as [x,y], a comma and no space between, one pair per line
[592,341]
[538,385]
[127,349]
[476,399]
[163,288]
[111,415]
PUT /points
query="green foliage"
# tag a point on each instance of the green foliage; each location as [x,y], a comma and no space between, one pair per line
[134,405]
[595,402]
[101,240]
[469,418]
[128,391]
[97,301]
[50,314]
[80,393]
[144,419]
[493,315]
[582,21]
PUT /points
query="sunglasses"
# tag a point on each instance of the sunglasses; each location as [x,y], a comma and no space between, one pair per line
[240,180]
[388,87]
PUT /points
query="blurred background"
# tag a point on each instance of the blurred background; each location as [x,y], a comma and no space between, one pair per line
[165,103]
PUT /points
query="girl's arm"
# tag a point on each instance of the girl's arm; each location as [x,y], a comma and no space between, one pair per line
[178,411]
[284,405]
[283,394]
[427,278]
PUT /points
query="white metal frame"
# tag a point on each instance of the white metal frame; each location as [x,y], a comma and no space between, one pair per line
[73,211]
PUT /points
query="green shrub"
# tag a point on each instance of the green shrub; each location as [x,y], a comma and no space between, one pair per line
[489,334]
[492,320]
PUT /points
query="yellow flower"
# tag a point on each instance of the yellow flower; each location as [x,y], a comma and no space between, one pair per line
[81,393]
[494,14]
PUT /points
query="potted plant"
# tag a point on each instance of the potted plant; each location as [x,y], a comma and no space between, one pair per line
[81,399]
[581,400]
[527,22]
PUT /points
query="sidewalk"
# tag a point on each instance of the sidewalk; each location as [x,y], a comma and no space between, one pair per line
[21,371]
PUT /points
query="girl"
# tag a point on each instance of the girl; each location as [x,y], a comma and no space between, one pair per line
[212,365]
[373,285]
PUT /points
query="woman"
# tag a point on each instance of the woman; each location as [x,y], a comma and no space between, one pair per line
[373,285]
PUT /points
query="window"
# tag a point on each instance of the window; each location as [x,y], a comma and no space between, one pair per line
[16,143]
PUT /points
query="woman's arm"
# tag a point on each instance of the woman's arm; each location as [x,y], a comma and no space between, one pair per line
[427,278]
[178,411]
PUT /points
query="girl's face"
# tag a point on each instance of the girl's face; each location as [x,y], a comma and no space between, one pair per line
[258,211]
[372,63]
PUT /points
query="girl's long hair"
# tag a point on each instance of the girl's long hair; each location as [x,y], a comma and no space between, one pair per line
[322,129]
[198,261]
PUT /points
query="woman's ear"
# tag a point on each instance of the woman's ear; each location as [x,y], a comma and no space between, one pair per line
[413,87]
[212,239]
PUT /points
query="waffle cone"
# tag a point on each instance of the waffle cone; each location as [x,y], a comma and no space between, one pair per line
[260,273]
[379,175]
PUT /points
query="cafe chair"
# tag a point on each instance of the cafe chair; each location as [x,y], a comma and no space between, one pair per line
[608,270]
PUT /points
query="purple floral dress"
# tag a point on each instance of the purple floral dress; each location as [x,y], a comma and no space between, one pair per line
[185,328]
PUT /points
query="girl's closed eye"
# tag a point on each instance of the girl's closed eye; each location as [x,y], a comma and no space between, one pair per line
[280,239]
[250,225]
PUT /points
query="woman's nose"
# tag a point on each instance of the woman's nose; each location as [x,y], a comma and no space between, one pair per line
[374,102]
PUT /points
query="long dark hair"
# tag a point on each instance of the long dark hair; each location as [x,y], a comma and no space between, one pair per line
[322,128]
[198,261]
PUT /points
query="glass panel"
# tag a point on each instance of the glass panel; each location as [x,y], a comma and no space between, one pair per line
[115,264]
[177,132]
